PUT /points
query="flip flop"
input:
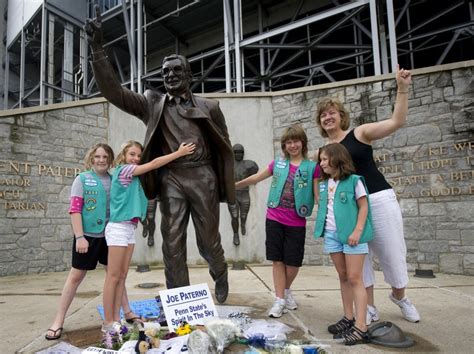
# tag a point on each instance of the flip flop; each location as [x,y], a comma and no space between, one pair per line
[136,319]
[57,333]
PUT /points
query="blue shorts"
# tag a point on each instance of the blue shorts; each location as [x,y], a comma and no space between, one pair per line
[332,244]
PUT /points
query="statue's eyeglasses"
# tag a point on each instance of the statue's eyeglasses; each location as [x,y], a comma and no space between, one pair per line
[177,70]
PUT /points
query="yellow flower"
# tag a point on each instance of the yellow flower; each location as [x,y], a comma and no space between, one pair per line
[183,329]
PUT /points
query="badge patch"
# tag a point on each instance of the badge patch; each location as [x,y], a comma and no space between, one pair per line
[90,204]
[281,164]
[343,197]
[303,210]
[90,182]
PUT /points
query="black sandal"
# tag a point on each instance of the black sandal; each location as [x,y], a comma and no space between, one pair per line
[133,320]
[355,336]
[56,333]
[341,326]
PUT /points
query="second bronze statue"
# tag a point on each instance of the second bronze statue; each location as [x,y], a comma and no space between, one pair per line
[242,169]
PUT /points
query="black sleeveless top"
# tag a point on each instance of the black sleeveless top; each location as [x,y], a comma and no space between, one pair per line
[362,155]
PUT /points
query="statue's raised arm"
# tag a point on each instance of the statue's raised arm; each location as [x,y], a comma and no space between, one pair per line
[93,29]
[107,81]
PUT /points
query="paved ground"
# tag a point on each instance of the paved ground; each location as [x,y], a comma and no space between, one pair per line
[446,305]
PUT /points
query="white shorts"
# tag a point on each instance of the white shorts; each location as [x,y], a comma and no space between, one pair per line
[120,233]
[388,244]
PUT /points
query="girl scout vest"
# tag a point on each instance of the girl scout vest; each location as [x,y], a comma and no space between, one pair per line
[345,210]
[95,203]
[302,185]
[128,202]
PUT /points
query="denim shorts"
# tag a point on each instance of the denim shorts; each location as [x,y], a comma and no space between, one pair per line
[120,234]
[332,244]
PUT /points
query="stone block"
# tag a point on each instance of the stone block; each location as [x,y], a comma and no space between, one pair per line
[467,237]
[451,263]
[18,148]
[97,132]
[412,245]
[76,127]
[14,267]
[52,246]
[434,246]
[439,108]
[75,111]
[468,261]
[419,228]
[421,83]
[460,211]
[56,210]
[441,79]
[432,209]
[448,234]
[463,85]
[95,109]
[426,100]
[102,122]
[422,93]
[422,134]
[462,249]
[409,207]
[431,258]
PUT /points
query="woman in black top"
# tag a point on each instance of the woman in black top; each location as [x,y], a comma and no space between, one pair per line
[389,243]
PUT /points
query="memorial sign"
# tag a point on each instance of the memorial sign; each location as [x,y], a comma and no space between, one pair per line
[192,304]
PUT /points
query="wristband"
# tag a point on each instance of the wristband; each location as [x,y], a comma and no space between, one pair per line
[402,91]
[79,237]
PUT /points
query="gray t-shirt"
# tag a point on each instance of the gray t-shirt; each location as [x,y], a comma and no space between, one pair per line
[78,191]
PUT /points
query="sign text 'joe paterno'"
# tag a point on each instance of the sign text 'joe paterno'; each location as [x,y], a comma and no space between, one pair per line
[192,304]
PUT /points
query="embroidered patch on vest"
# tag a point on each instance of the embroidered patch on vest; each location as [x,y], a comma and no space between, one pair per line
[281,164]
[343,197]
[90,204]
[90,182]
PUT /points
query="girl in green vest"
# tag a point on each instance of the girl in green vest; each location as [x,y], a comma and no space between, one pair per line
[89,210]
[290,201]
[344,220]
[128,205]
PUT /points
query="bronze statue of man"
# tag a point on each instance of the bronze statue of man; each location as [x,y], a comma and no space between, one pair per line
[242,169]
[192,185]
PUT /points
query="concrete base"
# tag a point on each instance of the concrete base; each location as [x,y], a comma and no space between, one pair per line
[28,304]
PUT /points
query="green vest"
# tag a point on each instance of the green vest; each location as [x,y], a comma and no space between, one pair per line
[95,203]
[345,210]
[128,202]
[302,185]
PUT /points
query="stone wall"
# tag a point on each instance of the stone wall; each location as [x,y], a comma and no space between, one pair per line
[41,152]
[428,162]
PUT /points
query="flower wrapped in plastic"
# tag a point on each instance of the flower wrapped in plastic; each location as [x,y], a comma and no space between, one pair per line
[199,342]
[222,332]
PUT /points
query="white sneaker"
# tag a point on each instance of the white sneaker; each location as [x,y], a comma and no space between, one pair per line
[408,309]
[278,308]
[115,327]
[372,315]
[290,302]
